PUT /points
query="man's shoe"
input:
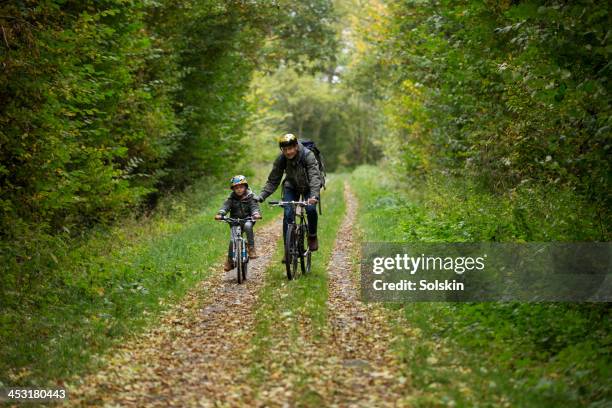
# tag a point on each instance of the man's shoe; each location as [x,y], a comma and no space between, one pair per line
[252,252]
[228,265]
[313,243]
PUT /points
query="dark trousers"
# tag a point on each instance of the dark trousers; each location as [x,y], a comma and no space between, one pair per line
[290,194]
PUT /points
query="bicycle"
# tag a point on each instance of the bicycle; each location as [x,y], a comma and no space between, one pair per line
[295,239]
[239,253]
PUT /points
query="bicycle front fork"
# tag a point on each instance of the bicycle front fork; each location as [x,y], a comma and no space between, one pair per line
[233,246]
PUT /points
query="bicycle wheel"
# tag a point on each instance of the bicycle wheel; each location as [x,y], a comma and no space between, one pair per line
[245,266]
[290,252]
[239,263]
[302,250]
[308,253]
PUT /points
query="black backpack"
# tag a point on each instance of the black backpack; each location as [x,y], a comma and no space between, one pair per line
[310,145]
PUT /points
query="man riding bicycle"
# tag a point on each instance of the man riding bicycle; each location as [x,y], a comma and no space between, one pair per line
[302,178]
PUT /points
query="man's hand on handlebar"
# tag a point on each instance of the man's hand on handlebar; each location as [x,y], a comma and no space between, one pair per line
[219,217]
[257,216]
[312,200]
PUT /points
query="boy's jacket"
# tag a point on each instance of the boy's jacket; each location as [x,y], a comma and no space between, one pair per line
[240,207]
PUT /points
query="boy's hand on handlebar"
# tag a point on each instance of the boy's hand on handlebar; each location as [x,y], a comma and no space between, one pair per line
[312,200]
[257,216]
[219,217]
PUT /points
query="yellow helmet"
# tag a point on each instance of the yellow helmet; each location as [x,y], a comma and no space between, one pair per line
[239,179]
[288,139]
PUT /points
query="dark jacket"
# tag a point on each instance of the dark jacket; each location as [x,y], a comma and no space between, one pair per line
[302,173]
[240,207]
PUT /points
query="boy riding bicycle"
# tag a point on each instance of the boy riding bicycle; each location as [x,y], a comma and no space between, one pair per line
[241,203]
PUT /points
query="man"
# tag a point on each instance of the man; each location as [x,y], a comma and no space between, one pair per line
[303,178]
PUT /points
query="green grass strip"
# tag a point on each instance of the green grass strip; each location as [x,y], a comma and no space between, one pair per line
[485,354]
[112,286]
[283,304]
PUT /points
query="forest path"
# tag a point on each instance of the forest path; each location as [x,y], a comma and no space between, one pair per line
[188,359]
[360,347]
[347,360]
[202,354]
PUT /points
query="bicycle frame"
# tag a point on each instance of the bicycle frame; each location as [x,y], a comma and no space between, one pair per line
[237,242]
[239,255]
[299,210]
[296,234]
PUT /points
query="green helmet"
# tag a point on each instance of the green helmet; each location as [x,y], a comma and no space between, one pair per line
[287,140]
[237,180]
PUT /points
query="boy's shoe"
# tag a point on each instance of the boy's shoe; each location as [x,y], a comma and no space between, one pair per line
[252,252]
[228,265]
[313,243]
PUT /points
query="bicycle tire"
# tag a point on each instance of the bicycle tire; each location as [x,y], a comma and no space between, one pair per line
[308,254]
[296,251]
[290,256]
[239,263]
[302,249]
[245,267]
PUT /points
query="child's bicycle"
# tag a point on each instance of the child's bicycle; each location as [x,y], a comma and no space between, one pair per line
[239,255]
[295,240]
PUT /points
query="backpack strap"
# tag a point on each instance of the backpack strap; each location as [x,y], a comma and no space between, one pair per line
[306,172]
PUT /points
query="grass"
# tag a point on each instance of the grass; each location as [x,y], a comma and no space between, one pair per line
[489,354]
[285,307]
[110,285]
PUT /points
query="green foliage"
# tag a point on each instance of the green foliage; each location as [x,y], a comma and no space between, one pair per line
[511,92]
[75,114]
[105,103]
[110,285]
[446,209]
[104,106]
[314,107]
[302,34]
[534,354]
[213,48]
[102,100]
[498,120]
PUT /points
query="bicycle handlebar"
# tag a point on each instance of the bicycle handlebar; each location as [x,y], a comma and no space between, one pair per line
[283,203]
[230,220]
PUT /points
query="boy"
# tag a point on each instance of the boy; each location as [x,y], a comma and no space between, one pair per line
[241,203]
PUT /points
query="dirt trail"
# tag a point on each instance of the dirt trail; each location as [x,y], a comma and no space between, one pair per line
[189,359]
[352,363]
[360,334]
